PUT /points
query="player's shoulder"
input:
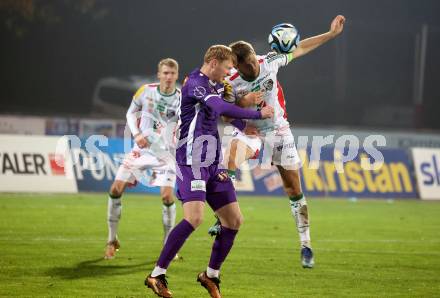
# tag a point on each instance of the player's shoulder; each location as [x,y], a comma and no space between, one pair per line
[142,90]
[195,80]
[147,87]
[152,87]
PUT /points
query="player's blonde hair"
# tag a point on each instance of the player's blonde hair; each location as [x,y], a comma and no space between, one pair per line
[170,62]
[242,50]
[220,53]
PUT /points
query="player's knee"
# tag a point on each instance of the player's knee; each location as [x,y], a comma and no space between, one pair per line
[239,221]
[195,220]
[167,199]
[235,222]
[116,190]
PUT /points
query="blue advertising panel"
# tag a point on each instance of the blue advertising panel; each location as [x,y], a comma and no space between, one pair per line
[324,175]
[97,164]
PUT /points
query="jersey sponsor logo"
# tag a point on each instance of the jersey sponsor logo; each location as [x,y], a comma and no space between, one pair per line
[199,92]
[160,108]
[257,82]
[198,185]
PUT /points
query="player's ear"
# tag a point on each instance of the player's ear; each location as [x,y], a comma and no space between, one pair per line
[214,63]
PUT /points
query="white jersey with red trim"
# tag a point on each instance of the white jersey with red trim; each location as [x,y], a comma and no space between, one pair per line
[272,92]
[155,115]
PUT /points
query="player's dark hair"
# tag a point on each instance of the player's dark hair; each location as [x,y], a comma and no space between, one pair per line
[242,50]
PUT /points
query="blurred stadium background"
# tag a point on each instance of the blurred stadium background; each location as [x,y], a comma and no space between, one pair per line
[71,67]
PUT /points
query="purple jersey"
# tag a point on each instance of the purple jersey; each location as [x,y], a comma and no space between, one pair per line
[201,106]
[198,120]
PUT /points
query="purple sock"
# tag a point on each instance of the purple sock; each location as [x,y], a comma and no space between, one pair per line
[221,247]
[175,241]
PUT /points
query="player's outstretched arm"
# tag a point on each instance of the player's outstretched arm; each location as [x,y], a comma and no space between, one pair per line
[309,44]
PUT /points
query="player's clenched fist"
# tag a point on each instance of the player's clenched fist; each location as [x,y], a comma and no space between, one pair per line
[267,112]
[141,141]
[337,25]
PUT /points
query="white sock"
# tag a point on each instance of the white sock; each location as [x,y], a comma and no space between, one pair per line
[114,209]
[158,271]
[168,220]
[212,272]
[301,216]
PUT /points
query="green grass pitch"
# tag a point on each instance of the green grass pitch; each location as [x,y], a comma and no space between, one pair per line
[52,245]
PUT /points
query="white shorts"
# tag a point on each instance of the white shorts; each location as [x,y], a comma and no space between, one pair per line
[251,141]
[283,151]
[147,169]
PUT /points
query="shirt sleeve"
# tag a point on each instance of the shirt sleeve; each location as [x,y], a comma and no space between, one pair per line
[133,111]
[217,104]
[229,94]
[239,123]
[276,60]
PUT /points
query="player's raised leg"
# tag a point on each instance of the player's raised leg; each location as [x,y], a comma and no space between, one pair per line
[298,203]
[114,210]
[238,152]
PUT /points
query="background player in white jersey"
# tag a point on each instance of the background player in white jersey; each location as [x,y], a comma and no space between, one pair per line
[254,85]
[152,119]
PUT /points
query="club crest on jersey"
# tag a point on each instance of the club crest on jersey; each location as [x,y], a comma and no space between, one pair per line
[199,92]
[268,85]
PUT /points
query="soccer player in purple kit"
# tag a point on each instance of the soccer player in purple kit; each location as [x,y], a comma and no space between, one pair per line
[200,178]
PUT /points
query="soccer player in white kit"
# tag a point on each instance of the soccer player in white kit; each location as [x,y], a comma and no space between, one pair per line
[253,85]
[152,119]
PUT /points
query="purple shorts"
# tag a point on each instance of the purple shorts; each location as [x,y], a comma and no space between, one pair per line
[206,186]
